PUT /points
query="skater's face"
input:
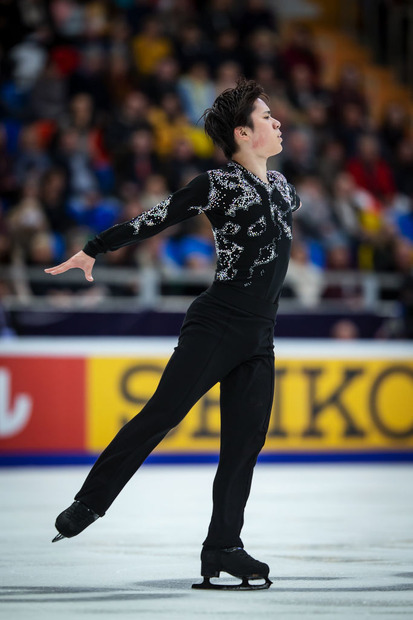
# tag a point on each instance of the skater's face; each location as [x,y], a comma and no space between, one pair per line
[264,138]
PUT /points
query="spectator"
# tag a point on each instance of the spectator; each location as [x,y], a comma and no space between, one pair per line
[316,222]
[41,250]
[255,16]
[28,59]
[227,75]
[197,92]
[348,205]
[261,49]
[393,129]
[370,171]
[302,91]
[49,93]
[320,129]
[140,160]
[53,195]
[119,37]
[31,160]
[182,163]
[120,79]
[227,48]
[300,51]
[298,156]
[191,46]
[304,279]
[219,16]
[163,80]
[82,118]
[150,46]
[93,211]
[131,116]
[68,18]
[193,248]
[89,77]
[349,90]
[331,162]
[169,123]
[154,191]
[345,330]
[350,126]
[266,75]
[73,155]
[339,259]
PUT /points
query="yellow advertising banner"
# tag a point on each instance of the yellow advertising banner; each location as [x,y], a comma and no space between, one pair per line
[319,405]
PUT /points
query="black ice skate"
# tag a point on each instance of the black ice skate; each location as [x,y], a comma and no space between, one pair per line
[236,562]
[74,520]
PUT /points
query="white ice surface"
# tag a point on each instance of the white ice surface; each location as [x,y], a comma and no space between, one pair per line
[338,538]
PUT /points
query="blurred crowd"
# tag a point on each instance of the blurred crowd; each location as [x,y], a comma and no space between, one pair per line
[101,105]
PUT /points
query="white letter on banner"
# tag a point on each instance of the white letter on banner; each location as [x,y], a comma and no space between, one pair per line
[12,420]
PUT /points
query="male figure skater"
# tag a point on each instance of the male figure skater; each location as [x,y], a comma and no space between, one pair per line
[227,334]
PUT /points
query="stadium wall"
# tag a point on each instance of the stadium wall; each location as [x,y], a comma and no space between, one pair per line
[62,400]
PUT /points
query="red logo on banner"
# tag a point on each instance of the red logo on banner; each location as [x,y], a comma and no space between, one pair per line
[13,416]
[42,404]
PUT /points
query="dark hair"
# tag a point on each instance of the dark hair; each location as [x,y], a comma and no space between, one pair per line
[232,108]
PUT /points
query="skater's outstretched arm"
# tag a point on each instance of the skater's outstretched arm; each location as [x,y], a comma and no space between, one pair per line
[183,204]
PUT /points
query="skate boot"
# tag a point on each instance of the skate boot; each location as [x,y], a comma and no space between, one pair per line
[234,561]
[74,520]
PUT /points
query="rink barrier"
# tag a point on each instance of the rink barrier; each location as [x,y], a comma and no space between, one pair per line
[62,401]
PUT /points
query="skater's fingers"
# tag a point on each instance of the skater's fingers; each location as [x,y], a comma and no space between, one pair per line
[88,275]
[54,271]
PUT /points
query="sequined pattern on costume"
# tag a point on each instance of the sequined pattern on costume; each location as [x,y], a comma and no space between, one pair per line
[154,216]
[266,255]
[222,180]
[278,218]
[258,228]
[230,229]
[228,252]
[281,185]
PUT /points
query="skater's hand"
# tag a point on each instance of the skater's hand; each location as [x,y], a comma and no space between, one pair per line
[80,261]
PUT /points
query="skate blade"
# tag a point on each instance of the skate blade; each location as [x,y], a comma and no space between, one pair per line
[58,537]
[244,585]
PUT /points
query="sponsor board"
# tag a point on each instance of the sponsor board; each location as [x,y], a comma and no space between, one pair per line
[319,404]
[77,403]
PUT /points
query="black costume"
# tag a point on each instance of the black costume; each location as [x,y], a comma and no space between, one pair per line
[227,337]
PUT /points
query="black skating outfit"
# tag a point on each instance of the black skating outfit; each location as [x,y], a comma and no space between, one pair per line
[226,337]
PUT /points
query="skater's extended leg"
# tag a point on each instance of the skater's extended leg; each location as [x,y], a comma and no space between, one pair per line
[196,365]
[202,357]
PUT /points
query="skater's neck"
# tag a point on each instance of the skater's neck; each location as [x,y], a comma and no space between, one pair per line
[254,163]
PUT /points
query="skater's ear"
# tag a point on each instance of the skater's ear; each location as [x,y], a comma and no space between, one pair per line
[242,134]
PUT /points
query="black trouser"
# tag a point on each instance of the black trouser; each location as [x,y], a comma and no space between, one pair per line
[218,342]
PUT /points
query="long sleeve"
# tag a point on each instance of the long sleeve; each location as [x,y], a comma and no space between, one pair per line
[295,202]
[183,204]
[287,190]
